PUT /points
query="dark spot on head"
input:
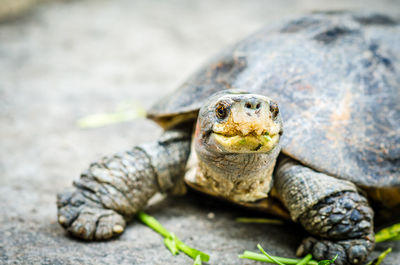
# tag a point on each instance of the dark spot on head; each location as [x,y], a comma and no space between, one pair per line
[333,34]
[258,147]
[376,19]
[299,24]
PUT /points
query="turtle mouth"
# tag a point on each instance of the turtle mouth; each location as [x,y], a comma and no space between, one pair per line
[247,143]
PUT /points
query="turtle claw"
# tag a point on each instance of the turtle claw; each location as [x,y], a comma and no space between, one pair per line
[351,251]
[109,226]
[86,218]
[322,250]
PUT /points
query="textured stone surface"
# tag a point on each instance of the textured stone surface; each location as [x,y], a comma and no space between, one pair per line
[65,60]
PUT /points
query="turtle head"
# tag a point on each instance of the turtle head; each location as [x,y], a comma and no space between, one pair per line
[237,142]
[233,121]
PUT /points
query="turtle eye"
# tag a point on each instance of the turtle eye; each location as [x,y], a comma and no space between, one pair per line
[273,108]
[221,111]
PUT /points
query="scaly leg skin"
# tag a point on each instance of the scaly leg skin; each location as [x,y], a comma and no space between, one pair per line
[113,190]
[338,217]
[347,220]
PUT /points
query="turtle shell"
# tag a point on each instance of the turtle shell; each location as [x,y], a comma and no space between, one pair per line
[336,78]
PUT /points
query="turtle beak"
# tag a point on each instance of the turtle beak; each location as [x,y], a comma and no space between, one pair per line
[250,127]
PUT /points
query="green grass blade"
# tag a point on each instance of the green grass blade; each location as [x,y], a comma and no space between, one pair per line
[305,260]
[153,224]
[380,258]
[388,233]
[177,244]
[197,261]
[191,252]
[259,220]
[171,245]
[266,254]
[124,113]
[327,262]
[260,257]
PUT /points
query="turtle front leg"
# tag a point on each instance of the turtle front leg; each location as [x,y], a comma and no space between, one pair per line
[338,217]
[114,189]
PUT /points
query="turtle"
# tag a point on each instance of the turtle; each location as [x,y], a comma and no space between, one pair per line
[300,119]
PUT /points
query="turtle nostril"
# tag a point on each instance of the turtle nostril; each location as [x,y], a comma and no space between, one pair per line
[252,104]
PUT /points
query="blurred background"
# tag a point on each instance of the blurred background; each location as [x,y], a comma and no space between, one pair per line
[69,67]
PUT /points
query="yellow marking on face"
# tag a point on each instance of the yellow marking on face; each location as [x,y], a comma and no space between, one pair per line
[239,144]
[245,131]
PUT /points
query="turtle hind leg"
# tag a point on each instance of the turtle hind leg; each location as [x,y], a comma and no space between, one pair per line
[322,249]
[338,217]
[114,189]
[350,251]
[343,224]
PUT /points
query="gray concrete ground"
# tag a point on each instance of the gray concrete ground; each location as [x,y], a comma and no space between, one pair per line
[64,60]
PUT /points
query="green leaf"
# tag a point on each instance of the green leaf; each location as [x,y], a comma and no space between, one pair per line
[388,233]
[327,262]
[380,258]
[197,261]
